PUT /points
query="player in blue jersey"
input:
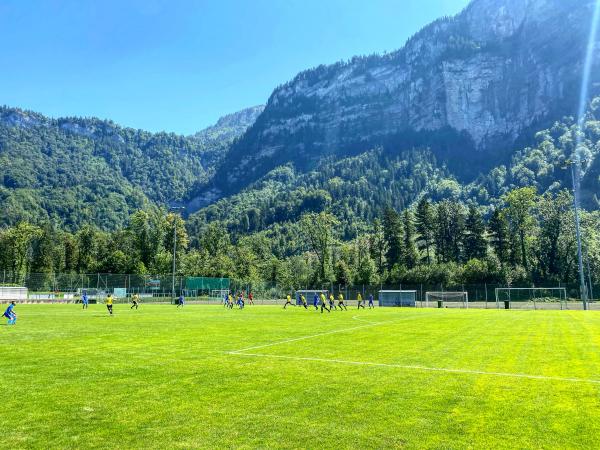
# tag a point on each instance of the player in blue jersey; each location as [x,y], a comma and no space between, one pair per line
[85,300]
[10,314]
[181,301]
[371,304]
[316,301]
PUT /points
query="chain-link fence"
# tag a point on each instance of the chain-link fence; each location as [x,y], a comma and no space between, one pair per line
[164,288]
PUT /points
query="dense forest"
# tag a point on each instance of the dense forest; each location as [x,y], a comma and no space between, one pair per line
[75,171]
[527,238]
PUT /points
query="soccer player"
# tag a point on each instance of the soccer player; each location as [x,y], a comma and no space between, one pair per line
[135,301]
[341,302]
[303,300]
[371,304]
[250,298]
[181,301]
[85,300]
[225,300]
[109,304]
[360,301]
[288,301]
[10,314]
[331,301]
[324,304]
[316,301]
[241,300]
[230,301]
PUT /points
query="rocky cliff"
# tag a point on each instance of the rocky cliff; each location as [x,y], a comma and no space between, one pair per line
[490,74]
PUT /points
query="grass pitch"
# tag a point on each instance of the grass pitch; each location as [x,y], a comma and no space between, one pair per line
[268,378]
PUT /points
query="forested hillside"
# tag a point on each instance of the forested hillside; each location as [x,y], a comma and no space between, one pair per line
[76,171]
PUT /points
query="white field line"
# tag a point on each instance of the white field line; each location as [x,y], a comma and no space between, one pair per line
[312,336]
[421,368]
[326,333]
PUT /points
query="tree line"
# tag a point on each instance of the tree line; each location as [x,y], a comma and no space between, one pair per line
[528,238]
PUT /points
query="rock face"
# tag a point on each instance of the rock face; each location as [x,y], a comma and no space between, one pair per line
[492,72]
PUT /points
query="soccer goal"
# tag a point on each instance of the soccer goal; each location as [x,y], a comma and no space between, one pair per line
[398,298]
[531,298]
[455,299]
[218,294]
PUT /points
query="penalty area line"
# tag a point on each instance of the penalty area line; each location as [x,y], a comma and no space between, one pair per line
[420,368]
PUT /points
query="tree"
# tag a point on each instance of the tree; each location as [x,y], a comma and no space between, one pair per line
[215,240]
[317,229]
[555,235]
[378,246]
[475,240]
[519,205]
[425,227]
[393,234]
[410,255]
[498,228]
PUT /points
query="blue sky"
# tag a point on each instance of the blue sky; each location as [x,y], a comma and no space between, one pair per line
[179,65]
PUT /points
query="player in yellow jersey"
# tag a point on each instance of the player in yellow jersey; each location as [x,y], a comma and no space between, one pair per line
[359,299]
[109,303]
[135,301]
[332,302]
[341,302]
[288,301]
[324,303]
[230,301]
[303,300]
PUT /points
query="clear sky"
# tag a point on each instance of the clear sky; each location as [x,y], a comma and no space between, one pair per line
[179,65]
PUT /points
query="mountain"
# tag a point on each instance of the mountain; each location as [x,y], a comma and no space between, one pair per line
[470,108]
[474,86]
[73,171]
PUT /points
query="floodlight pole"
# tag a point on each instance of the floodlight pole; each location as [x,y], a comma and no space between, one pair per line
[575,171]
[174,208]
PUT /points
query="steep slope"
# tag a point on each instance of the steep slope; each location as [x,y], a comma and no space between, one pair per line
[488,77]
[75,170]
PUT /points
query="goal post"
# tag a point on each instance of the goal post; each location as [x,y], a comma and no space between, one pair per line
[453,298]
[398,298]
[218,294]
[530,297]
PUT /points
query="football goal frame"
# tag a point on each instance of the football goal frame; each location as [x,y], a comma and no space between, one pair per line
[529,295]
[218,294]
[441,298]
[400,298]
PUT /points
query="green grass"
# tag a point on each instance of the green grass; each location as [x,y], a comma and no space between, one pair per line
[163,378]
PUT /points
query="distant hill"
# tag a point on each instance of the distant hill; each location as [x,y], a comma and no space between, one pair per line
[79,170]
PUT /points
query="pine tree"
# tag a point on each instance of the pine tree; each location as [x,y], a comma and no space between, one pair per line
[392,230]
[498,228]
[425,226]
[410,255]
[475,240]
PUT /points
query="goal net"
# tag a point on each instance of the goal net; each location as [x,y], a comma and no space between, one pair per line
[457,299]
[397,298]
[218,294]
[533,297]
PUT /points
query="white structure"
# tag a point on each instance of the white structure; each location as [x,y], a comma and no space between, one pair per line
[13,293]
[218,294]
[398,298]
[458,298]
[533,295]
